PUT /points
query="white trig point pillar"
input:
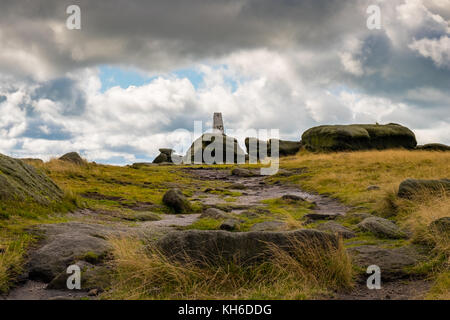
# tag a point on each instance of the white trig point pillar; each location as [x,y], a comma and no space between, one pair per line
[218,123]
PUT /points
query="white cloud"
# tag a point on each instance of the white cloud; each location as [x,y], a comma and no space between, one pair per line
[437,50]
[305,65]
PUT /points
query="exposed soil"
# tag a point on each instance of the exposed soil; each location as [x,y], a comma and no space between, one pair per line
[35,290]
[397,290]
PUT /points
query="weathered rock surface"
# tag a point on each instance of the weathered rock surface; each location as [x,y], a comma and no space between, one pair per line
[392,262]
[230,225]
[269,226]
[32,161]
[73,157]
[245,247]
[66,243]
[166,156]
[93,277]
[292,197]
[381,228]
[321,216]
[241,172]
[20,181]
[214,213]
[434,147]
[410,187]
[259,149]
[286,148]
[217,146]
[358,137]
[175,200]
[336,228]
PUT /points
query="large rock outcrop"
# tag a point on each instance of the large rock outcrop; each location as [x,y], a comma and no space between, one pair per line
[434,147]
[211,143]
[285,148]
[167,156]
[73,157]
[358,137]
[20,181]
[243,247]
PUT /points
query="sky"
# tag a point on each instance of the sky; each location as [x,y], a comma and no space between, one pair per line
[138,73]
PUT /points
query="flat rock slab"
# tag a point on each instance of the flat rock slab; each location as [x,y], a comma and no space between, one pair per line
[243,247]
[392,262]
[336,228]
[381,228]
[65,243]
[269,226]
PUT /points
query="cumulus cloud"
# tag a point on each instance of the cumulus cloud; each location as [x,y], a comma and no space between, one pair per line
[286,64]
[437,50]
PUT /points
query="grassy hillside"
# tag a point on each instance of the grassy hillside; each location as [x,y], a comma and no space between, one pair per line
[125,190]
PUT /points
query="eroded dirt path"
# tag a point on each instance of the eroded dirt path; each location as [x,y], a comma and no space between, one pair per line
[255,189]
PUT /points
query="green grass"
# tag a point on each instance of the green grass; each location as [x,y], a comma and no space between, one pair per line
[205,224]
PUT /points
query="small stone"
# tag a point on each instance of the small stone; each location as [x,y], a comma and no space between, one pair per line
[175,200]
[321,216]
[373,187]
[229,225]
[292,197]
[237,186]
[213,213]
[240,172]
[93,292]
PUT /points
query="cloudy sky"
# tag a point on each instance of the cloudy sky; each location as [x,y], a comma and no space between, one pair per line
[139,73]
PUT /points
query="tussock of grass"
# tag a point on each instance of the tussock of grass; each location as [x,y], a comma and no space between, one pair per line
[11,261]
[142,272]
[441,287]
[420,213]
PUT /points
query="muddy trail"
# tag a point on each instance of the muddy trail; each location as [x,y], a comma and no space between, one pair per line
[252,191]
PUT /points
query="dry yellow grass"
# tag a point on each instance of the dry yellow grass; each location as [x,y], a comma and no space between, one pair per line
[11,260]
[144,273]
[346,175]
[419,214]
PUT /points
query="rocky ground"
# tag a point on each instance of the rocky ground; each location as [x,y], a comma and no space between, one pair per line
[84,240]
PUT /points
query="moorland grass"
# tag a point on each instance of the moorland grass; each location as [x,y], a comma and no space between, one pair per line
[142,272]
[347,175]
